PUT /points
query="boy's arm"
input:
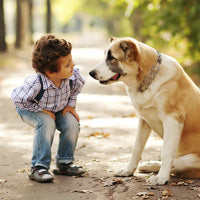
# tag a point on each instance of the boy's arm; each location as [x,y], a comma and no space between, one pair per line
[22,96]
[78,84]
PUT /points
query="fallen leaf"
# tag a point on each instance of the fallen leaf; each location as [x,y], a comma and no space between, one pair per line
[101,180]
[3,181]
[140,194]
[190,181]
[96,134]
[195,188]
[89,117]
[180,183]
[113,182]
[106,134]
[167,193]
[151,194]
[118,181]
[145,197]
[95,160]
[133,115]
[23,170]
[83,191]
[173,184]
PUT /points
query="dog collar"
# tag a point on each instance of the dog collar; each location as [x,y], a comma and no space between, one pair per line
[151,75]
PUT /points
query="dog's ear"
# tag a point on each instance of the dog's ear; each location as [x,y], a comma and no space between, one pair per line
[112,38]
[130,50]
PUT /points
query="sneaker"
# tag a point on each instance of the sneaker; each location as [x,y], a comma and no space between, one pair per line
[68,169]
[40,174]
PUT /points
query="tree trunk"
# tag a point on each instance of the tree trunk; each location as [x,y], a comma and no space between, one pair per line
[3,46]
[23,32]
[31,20]
[48,16]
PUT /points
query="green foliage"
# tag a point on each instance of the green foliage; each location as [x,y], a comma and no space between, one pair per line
[172,26]
[174,22]
[64,10]
[112,13]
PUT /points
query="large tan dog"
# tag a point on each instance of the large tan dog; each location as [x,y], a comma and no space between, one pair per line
[165,99]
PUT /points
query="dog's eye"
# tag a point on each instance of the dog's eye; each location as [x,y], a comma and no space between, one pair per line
[110,57]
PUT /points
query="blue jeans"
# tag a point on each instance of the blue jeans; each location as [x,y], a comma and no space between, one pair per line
[45,127]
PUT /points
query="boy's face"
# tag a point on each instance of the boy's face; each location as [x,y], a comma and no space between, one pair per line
[66,66]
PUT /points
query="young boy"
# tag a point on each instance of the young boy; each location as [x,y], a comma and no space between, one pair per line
[58,82]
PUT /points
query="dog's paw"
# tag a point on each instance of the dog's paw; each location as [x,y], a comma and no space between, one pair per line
[156,180]
[124,172]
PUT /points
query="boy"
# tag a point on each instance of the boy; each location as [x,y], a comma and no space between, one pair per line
[60,83]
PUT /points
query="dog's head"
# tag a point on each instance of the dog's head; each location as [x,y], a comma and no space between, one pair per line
[120,60]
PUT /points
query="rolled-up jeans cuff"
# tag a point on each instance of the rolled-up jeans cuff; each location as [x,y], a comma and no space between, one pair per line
[65,161]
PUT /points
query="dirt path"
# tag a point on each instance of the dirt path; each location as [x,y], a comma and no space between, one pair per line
[108,129]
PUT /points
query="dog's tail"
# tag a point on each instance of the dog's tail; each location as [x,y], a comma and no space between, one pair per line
[187,166]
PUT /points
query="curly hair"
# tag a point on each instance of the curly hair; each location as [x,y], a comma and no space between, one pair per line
[46,52]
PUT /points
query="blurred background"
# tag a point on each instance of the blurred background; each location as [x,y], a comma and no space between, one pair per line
[171,26]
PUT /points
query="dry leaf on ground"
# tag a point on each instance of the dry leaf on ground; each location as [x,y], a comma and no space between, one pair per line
[82,191]
[113,182]
[167,193]
[97,134]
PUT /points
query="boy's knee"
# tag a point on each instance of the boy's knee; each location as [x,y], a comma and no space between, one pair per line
[71,120]
[45,120]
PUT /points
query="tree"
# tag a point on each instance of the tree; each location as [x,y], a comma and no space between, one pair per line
[174,25]
[31,16]
[48,16]
[170,26]
[3,46]
[23,32]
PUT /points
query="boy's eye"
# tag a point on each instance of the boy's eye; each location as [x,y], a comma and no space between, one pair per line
[68,65]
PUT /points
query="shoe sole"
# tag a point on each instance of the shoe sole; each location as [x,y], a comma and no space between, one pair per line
[57,172]
[41,180]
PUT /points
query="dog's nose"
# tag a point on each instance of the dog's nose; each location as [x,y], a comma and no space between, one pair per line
[92,73]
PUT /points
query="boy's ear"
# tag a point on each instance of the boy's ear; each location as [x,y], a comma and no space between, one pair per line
[47,72]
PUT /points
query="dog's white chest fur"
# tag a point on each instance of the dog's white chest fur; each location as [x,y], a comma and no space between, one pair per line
[149,112]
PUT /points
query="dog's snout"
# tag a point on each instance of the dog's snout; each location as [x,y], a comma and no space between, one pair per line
[93,73]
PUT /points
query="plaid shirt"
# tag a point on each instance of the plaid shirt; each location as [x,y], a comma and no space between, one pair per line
[54,99]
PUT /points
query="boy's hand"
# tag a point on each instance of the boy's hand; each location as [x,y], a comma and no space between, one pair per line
[51,114]
[72,111]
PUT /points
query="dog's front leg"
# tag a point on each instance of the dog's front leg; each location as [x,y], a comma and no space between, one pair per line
[142,135]
[172,133]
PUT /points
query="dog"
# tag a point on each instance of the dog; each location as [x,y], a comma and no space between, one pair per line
[166,101]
